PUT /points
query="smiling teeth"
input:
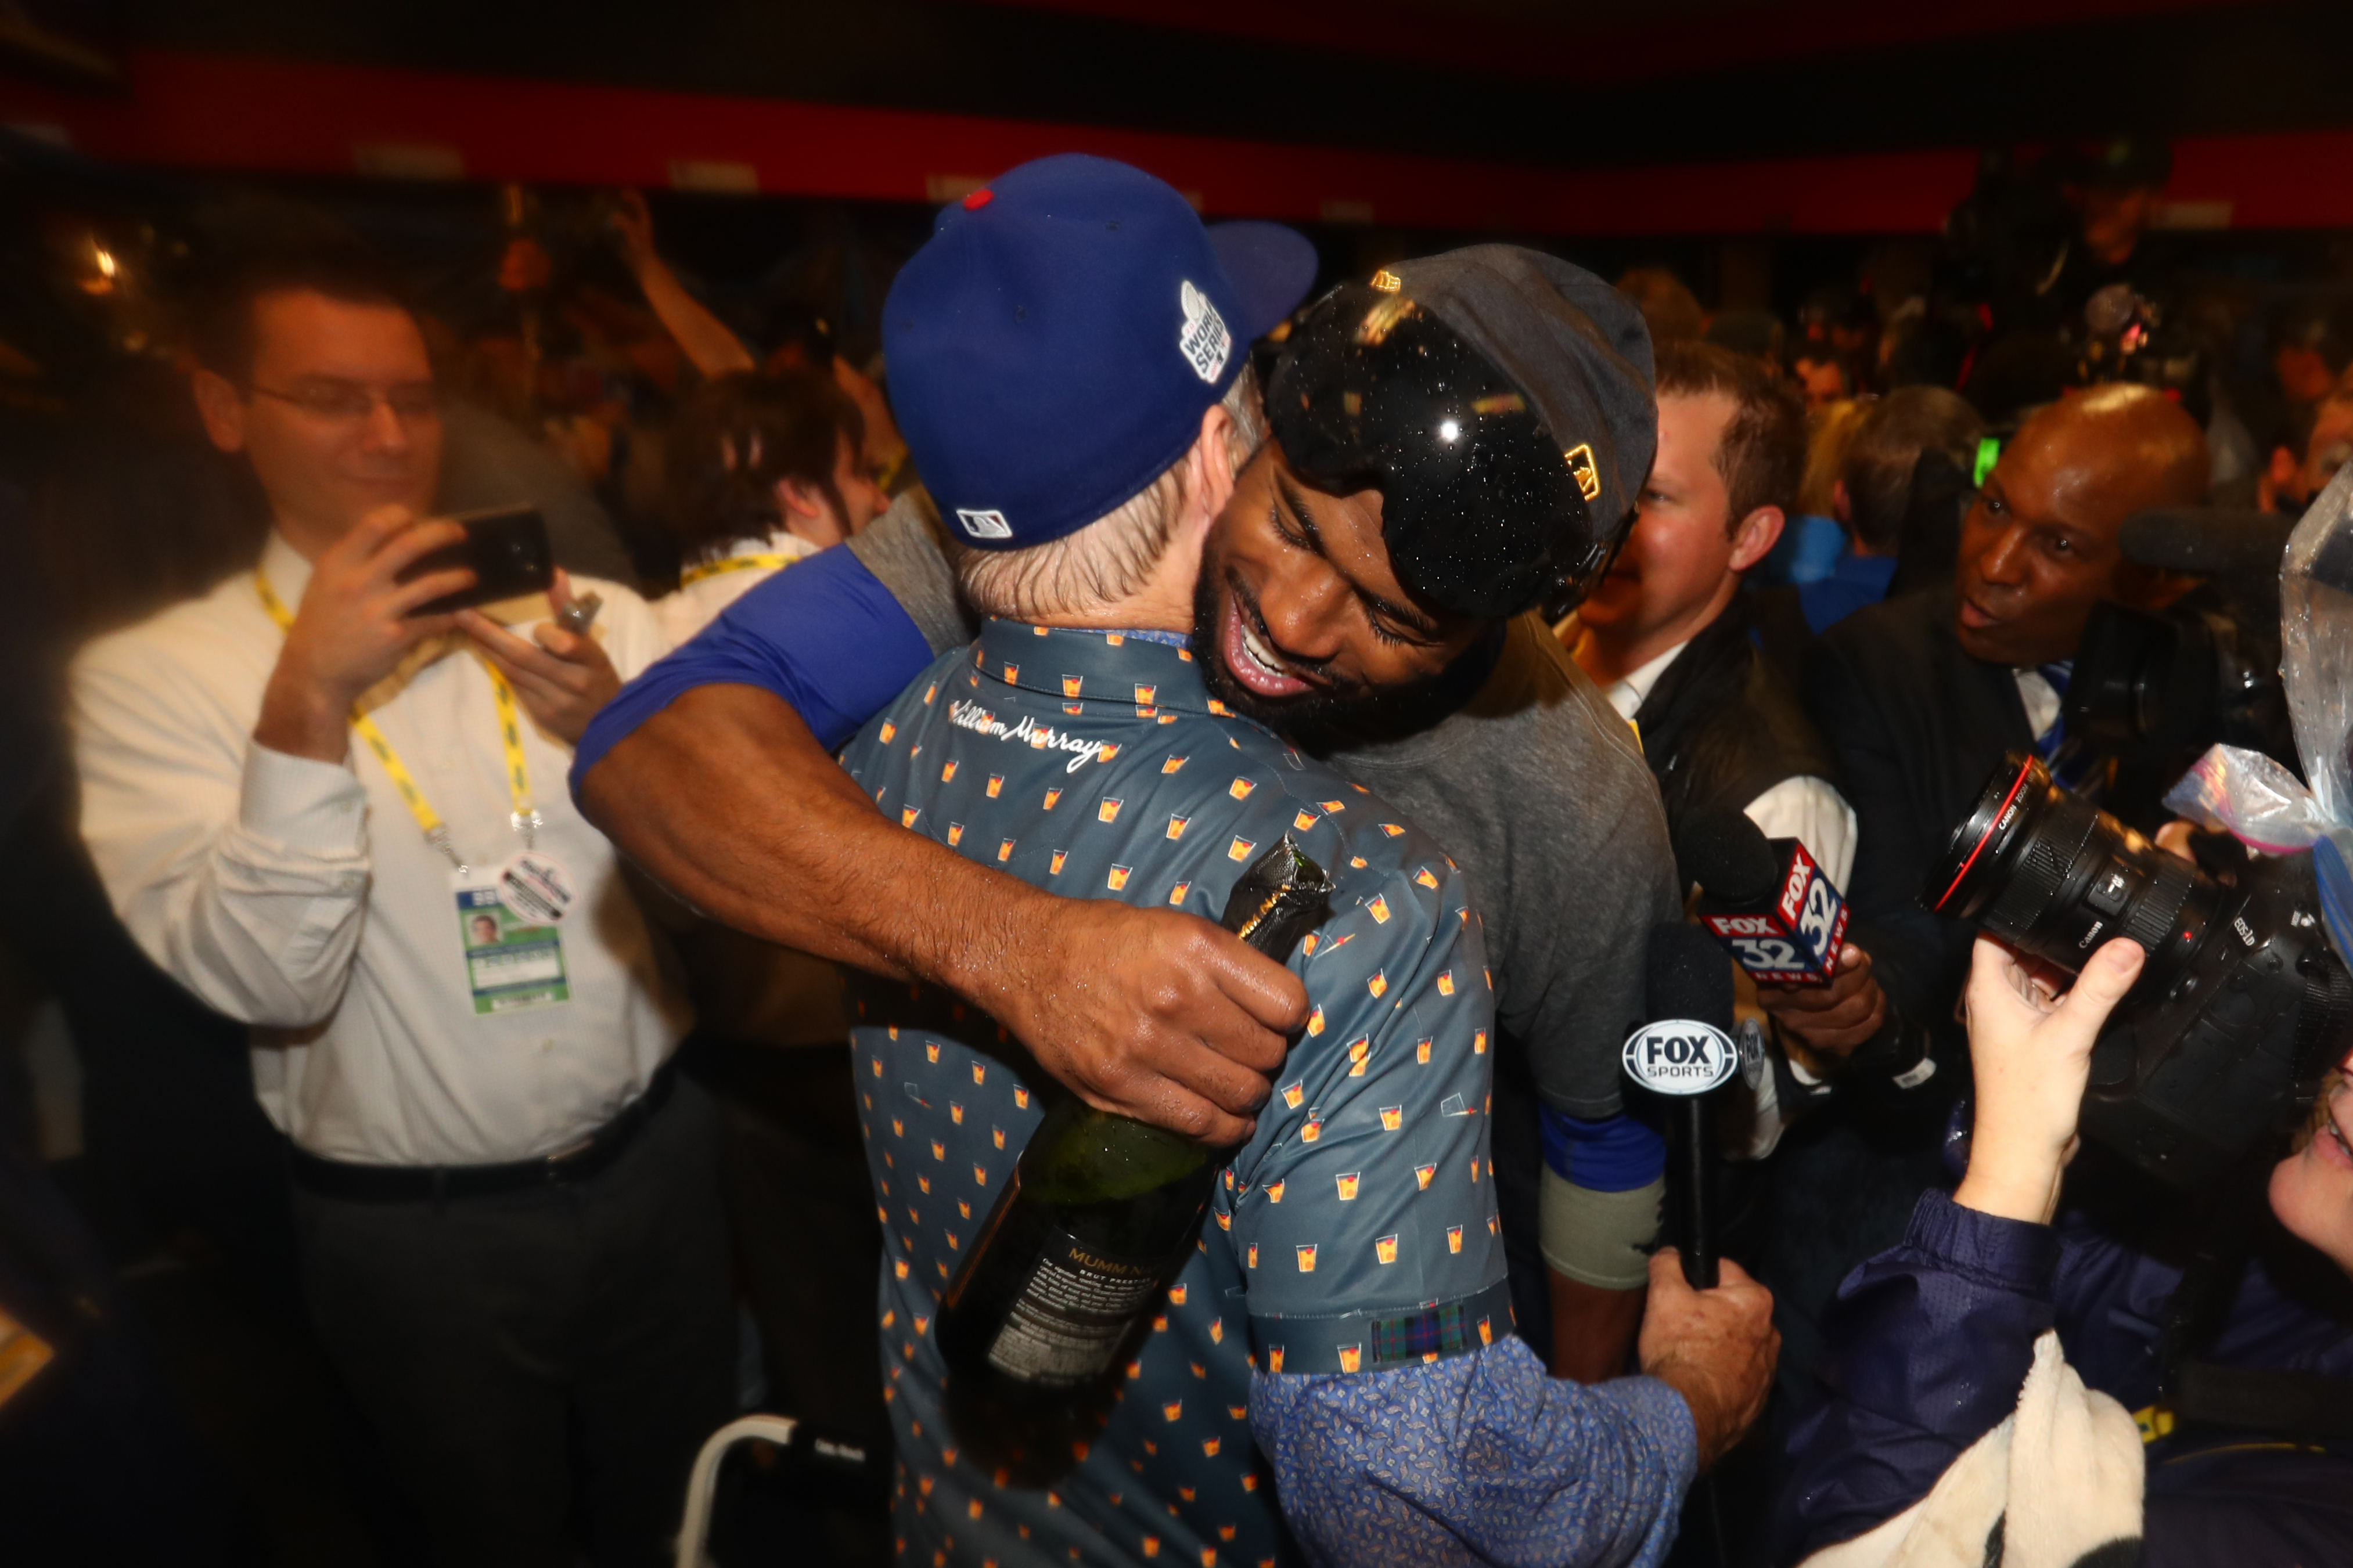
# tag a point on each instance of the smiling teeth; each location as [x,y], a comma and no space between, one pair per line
[1261,654]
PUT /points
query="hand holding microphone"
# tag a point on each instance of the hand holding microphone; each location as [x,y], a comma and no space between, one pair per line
[1717,1347]
[1682,1054]
[1708,1328]
[1780,916]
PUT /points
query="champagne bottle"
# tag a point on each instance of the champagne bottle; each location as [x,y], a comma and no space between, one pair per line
[1101,1209]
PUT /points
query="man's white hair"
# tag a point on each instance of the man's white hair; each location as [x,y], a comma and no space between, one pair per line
[1111,557]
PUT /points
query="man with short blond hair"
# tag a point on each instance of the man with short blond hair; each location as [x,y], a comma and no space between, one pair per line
[1350,1286]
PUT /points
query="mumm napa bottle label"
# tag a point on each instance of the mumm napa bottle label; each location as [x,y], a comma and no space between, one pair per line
[1101,1208]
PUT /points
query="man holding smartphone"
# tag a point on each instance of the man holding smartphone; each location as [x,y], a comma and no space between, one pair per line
[316,807]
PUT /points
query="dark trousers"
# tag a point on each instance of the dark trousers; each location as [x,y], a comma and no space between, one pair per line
[808,1246]
[537,1358]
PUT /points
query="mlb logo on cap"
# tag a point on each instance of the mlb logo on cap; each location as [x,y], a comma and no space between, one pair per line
[1053,347]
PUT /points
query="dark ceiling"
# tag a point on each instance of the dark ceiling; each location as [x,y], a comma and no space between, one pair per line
[1620,82]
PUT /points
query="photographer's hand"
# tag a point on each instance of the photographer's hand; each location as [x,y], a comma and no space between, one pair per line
[2032,1056]
[354,624]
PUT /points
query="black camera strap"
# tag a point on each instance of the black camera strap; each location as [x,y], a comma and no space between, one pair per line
[2289,1405]
[2295,1404]
[2194,1312]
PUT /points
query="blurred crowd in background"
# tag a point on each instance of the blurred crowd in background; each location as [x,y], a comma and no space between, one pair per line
[601,355]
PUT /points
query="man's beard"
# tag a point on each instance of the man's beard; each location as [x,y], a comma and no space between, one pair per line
[1355,706]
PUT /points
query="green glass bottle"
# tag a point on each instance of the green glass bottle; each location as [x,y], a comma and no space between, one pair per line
[1101,1209]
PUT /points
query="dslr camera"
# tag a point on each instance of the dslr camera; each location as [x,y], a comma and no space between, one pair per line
[2220,1047]
[2152,690]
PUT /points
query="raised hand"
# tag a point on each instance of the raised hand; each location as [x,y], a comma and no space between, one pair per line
[356,621]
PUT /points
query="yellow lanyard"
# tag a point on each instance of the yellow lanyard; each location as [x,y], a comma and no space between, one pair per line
[733,563]
[524,821]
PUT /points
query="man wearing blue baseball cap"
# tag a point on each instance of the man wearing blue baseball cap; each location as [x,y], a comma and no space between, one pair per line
[1366,583]
[1065,358]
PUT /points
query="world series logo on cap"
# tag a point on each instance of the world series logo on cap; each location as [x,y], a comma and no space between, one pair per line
[1204,339]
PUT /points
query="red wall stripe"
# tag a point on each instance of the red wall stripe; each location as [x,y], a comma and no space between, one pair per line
[1609,49]
[222,114]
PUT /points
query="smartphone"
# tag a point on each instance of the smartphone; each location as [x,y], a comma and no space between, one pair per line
[506,547]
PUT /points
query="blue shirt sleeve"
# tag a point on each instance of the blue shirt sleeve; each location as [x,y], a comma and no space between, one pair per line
[826,637]
[1483,1451]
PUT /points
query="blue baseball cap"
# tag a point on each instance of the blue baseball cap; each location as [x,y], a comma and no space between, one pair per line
[1053,345]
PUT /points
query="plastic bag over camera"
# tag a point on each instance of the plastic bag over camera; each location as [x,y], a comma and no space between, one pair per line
[2247,794]
[2316,660]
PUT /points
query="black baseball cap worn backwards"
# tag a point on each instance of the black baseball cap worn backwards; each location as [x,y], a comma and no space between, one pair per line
[1499,399]
[1054,344]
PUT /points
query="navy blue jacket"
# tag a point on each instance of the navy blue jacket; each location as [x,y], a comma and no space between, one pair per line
[1931,1342]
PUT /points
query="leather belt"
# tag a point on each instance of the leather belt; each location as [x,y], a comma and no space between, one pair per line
[434,1184]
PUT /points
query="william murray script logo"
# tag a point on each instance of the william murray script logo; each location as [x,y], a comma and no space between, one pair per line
[1039,737]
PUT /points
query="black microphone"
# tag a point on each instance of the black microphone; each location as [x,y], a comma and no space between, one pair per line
[1683,1053]
[1765,900]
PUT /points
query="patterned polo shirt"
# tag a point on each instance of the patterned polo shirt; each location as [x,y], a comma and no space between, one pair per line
[1355,1232]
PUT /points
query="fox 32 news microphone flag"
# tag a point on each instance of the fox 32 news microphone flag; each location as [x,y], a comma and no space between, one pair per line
[1768,902]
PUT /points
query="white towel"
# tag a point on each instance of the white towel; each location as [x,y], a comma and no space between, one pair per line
[2060,1479]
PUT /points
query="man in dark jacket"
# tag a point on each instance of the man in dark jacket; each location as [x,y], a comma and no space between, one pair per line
[1665,634]
[1919,698]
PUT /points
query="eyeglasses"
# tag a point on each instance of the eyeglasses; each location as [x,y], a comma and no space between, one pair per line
[348,401]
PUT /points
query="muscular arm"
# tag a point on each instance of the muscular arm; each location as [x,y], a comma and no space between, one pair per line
[707,773]
[1592,1328]
[1600,1203]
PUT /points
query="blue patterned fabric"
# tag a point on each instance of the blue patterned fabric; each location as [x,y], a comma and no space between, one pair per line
[1358,1222]
[1480,1459]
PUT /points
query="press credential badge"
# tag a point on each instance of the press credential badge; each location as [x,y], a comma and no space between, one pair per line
[506,927]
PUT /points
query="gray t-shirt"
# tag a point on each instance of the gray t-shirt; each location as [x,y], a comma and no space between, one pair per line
[1535,787]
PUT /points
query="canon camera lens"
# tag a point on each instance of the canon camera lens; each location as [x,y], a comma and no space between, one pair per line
[2236,1018]
[2044,870]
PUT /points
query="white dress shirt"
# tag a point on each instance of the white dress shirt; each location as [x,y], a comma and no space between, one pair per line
[301,898]
[697,604]
[1804,809]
